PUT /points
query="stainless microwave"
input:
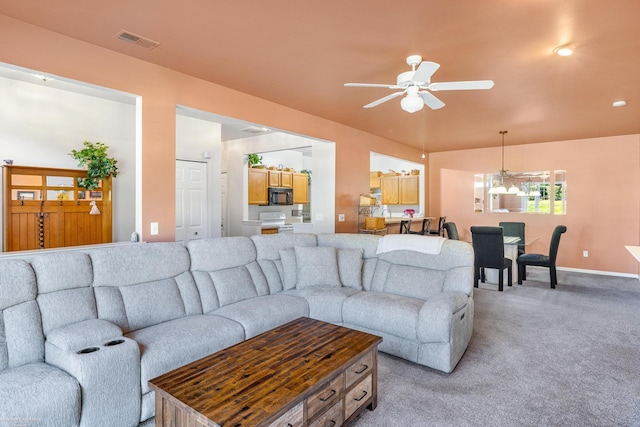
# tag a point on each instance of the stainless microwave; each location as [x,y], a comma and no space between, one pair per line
[280,196]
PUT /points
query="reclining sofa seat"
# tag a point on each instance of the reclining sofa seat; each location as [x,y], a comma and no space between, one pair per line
[148,291]
[26,381]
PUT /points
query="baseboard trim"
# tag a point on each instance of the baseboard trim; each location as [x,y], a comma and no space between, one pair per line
[603,273]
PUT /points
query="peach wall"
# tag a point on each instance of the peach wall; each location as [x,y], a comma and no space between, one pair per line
[162,89]
[603,193]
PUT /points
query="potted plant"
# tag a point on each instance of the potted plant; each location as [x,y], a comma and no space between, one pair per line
[308,172]
[99,166]
[254,160]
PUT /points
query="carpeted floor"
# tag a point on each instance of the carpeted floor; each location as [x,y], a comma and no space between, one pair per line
[538,357]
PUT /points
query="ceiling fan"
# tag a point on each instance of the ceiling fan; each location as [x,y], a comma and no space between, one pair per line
[417,84]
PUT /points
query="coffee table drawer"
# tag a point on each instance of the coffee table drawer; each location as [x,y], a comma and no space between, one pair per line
[357,396]
[325,397]
[331,418]
[294,417]
[360,369]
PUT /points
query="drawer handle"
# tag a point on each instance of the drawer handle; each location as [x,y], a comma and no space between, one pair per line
[289,425]
[362,369]
[329,396]
[364,394]
[331,424]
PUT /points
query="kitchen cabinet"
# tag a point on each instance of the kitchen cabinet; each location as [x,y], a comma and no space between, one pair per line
[400,190]
[286,179]
[390,190]
[300,188]
[258,186]
[374,179]
[274,178]
[409,190]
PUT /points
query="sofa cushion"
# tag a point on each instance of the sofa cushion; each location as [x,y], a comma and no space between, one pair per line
[325,302]
[316,266]
[260,314]
[83,334]
[39,394]
[388,313]
[167,346]
[350,267]
[289,268]
[21,337]
[233,285]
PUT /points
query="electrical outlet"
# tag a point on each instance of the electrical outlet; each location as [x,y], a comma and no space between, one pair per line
[585,254]
[340,217]
[319,217]
[154,229]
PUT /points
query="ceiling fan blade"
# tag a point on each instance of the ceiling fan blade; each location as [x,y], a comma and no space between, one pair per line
[385,99]
[371,85]
[431,101]
[474,84]
[425,71]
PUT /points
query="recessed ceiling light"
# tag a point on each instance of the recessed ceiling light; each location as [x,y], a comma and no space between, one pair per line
[620,103]
[564,50]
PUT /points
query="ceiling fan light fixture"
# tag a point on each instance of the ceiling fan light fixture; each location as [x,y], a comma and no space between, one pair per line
[412,103]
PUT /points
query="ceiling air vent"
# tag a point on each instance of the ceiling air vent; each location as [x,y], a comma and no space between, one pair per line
[254,129]
[137,40]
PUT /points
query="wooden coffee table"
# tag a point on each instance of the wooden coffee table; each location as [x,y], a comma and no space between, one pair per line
[304,373]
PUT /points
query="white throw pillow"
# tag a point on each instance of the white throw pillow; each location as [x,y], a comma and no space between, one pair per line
[350,267]
[317,266]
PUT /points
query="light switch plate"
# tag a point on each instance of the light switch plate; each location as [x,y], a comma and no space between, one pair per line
[340,217]
[154,229]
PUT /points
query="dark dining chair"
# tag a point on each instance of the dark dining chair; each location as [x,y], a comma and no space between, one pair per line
[452,230]
[515,229]
[488,248]
[440,230]
[541,260]
[426,226]
[405,226]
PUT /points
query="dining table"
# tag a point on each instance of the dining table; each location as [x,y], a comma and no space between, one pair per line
[511,252]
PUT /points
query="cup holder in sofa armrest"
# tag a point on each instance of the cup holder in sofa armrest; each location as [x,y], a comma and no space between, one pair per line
[113,342]
[88,350]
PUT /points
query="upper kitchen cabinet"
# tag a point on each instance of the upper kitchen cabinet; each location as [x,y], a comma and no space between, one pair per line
[286,179]
[374,179]
[300,188]
[258,186]
[274,178]
[400,190]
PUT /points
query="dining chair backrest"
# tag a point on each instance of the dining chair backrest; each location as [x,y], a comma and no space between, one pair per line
[452,230]
[555,243]
[515,229]
[405,226]
[488,246]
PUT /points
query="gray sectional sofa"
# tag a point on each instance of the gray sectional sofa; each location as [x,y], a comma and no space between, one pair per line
[82,333]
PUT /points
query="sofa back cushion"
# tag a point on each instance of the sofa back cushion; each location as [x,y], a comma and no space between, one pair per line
[226,271]
[420,275]
[21,337]
[144,284]
[268,248]
[65,295]
[367,243]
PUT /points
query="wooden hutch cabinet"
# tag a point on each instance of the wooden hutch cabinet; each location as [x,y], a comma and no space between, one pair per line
[45,208]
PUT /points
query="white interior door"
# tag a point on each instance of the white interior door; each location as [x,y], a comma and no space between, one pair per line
[191,200]
[223,204]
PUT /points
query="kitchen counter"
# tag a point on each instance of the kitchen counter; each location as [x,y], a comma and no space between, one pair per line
[397,220]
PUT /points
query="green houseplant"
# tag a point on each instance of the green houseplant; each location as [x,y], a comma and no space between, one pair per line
[254,160]
[99,165]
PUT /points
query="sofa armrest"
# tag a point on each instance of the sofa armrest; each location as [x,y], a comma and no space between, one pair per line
[435,316]
[83,334]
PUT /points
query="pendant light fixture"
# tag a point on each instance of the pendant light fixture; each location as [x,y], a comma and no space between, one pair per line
[501,189]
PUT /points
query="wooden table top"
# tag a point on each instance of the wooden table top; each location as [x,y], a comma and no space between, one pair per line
[256,381]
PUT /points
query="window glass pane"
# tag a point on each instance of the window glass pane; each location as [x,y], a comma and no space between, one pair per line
[59,181]
[560,192]
[26,180]
[61,195]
